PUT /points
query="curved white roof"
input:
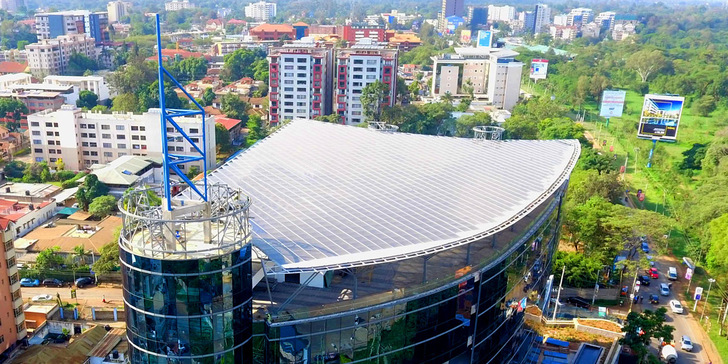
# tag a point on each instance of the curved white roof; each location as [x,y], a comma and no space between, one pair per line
[328,196]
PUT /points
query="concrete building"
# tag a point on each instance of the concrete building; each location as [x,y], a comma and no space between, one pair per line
[301,80]
[273,32]
[35,100]
[53,25]
[493,74]
[542,18]
[83,139]
[564,32]
[560,19]
[261,11]
[6,81]
[591,30]
[14,55]
[450,8]
[128,171]
[175,5]
[117,10]
[623,31]
[579,17]
[504,13]
[13,6]
[95,84]
[477,16]
[355,32]
[13,331]
[51,56]
[606,19]
[358,66]
[26,216]
[29,192]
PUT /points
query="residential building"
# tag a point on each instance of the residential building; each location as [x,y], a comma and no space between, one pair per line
[503,13]
[53,25]
[214,25]
[111,349]
[481,68]
[221,49]
[8,80]
[527,20]
[358,66]
[273,32]
[95,84]
[26,216]
[128,171]
[542,18]
[301,80]
[175,5]
[477,16]
[402,41]
[564,32]
[10,142]
[14,55]
[355,32]
[75,352]
[34,100]
[117,10]
[51,56]
[579,17]
[7,67]
[13,331]
[561,20]
[83,139]
[591,30]
[13,6]
[261,11]
[450,8]
[29,192]
[67,234]
[623,31]
[234,127]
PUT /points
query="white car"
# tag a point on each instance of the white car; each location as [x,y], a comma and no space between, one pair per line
[42,297]
[676,307]
[685,343]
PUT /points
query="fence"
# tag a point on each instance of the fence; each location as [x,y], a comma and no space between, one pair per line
[588,293]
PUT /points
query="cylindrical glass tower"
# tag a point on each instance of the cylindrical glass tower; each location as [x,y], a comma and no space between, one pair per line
[186,276]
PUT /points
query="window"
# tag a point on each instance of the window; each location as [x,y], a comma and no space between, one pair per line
[106,145]
[120,137]
[49,133]
[358,61]
[53,160]
[37,150]
[371,69]
[52,142]
[49,125]
[57,134]
[301,68]
[134,128]
[135,146]
[288,82]
[371,61]
[92,135]
[58,151]
[135,137]
[91,126]
[194,130]
[84,135]
[371,77]
[180,149]
[288,59]
[85,152]
[108,154]
[105,127]
[36,132]
[34,123]
[288,89]
[36,141]
[94,154]
[121,154]
[288,67]
[301,97]
[356,113]
[121,146]
[141,128]
[84,144]
[105,136]
[92,144]
[288,74]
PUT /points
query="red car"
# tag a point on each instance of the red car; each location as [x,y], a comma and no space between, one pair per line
[653,273]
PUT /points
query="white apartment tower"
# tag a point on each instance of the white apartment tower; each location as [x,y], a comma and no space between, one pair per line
[261,11]
[86,138]
[504,82]
[178,5]
[542,20]
[501,13]
[117,10]
[51,56]
[358,66]
[300,77]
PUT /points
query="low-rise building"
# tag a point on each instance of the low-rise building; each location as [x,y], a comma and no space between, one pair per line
[221,49]
[623,31]
[26,216]
[273,32]
[403,41]
[591,30]
[10,143]
[70,233]
[234,126]
[51,56]
[8,67]
[95,84]
[561,32]
[28,192]
[129,171]
[83,139]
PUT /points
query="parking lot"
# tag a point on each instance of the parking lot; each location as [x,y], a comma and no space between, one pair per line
[91,296]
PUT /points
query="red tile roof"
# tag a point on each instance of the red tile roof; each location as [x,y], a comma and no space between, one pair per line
[214,21]
[300,24]
[228,123]
[172,53]
[236,22]
[281,28]
[12,67]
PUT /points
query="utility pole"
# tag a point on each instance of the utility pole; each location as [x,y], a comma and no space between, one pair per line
[558,294]
[634,284]
[596,288]
[725,312]
[636,154]
[707,297]
[626,159]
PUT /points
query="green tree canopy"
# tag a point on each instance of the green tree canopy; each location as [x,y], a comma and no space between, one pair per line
[49,259]
[234,107]
[102,206]
[90,190]
[641,328]
[239,64]
[372,97]
[36,172]
[222,139]
[87,99]
[14,169]
[78,63]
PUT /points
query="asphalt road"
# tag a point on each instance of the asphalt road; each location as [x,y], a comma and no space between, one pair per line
[91,296]
[685,323]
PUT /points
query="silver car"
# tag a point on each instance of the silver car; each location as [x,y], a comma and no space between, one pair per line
[685,343]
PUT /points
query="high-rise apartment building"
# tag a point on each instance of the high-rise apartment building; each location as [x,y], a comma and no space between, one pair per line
[358,66]
[52,25]
[86,138]
[178,5]
[450,8]
[606,19]
[501,13]
[477,16]
[261,11]
[51,56]
[301,76]
[504,81]
[542,18]
[579,16]
[12,6]
[11,307]
[117,10]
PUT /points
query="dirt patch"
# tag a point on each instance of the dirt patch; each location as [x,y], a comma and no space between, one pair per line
[600,324]
[570,334]
[533,310]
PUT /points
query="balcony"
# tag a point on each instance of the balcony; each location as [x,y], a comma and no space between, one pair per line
[15,286]
[20,319]
[18,302]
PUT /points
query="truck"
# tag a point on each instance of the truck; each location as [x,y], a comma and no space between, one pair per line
[672,273]
[668,354]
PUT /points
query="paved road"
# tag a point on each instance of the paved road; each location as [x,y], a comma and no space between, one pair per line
[92,296]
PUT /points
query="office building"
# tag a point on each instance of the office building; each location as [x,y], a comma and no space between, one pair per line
[477,16]
[117,10]
[528,19]
[301,80]
[95,84]
[356,32]
[358,66]
[606,19]
[542,18]
[343,273]
[51,56]
[175,5]
[53,25]
[493,73]
[450,8]
[579,17]
[261,11]
[86,138]
[503,13]
[13,6]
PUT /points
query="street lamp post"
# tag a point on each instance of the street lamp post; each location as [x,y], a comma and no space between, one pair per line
[636,154]
[711,280]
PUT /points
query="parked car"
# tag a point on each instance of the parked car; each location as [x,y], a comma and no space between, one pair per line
[644,280]
[84,281]
[685,343]
[28,282]
[672,273]
[578,302]
[664,289]
[653,273]
[645,247]
[675,306]
[42,297]
[654,299]
[52,282]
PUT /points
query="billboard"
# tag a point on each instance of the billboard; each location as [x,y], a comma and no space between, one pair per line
[660,116]
[466,36]
[612,104]
[539,68]
[485,38]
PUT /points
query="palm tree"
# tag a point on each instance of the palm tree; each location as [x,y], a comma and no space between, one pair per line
[447,97]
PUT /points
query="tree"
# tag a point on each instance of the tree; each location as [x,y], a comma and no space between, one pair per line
[80,254]
[646,62]
[49,259]
[640,328]
[208,96]
[102,206]
[136,75]
[447,98]
[464,125]
[99,108]
[125,102]
[718,233]
[193,172]
[14,109]
[414,89]
[191,68]
[260,70]
[109,255]
[149,97]
[239,64]
[234,107]
[35,172]
[255,130]
[464,104]
[580,272]
[14,169]
[78,63]
[705,105]
[90,190]
[222,138]
[560,128]
[87,99]
[372,97]
[333,118]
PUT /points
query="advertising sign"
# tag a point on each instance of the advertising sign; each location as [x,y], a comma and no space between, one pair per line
[539,68]
[689,274]
[466,36]
[698,293]
[660,116]
[485,38]
[612,104]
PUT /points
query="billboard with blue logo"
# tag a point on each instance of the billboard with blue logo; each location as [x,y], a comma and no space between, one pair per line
[660,116]
[485,39]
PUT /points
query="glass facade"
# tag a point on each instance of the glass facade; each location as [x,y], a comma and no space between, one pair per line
[188,311]
[475,317]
